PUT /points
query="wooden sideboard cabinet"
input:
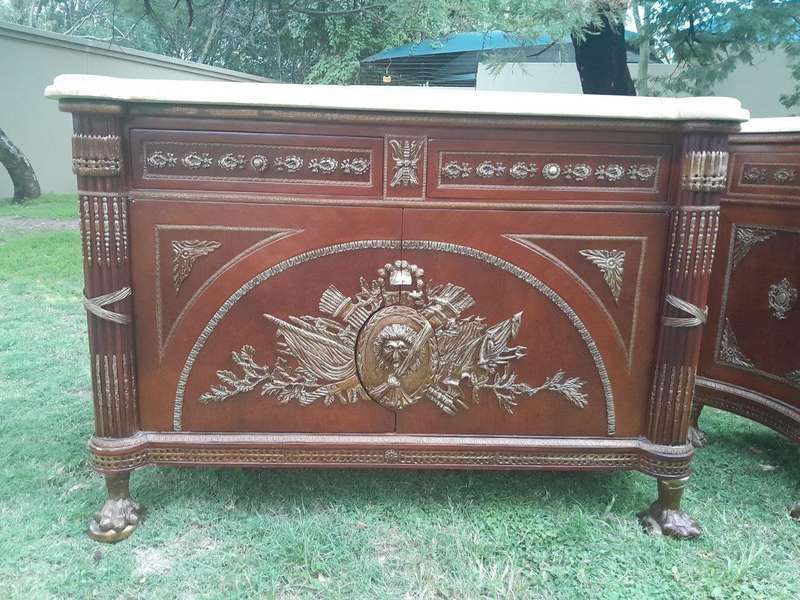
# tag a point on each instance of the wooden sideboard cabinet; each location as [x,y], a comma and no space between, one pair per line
[750,358]
[310,276]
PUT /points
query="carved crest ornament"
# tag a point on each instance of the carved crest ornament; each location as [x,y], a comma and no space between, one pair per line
[395,346]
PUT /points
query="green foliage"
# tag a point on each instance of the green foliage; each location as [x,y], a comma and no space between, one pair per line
[314,41]
[322,41]
[708,39]
[46,206]
[349,534]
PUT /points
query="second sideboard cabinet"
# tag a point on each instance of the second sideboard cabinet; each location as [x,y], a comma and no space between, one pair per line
[750,360]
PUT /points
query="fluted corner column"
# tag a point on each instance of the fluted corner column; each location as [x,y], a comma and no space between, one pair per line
[692,242]
[97,161]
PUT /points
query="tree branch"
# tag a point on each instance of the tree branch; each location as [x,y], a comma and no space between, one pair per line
[332,13]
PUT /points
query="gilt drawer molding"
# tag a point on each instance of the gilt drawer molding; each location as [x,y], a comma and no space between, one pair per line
[312,276]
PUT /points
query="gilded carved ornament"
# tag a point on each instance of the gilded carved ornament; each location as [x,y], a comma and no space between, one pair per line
[394,347]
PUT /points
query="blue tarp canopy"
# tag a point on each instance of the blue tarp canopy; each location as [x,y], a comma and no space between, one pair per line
[470,41]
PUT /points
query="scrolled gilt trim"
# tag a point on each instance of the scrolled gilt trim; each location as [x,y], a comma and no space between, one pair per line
[705,171]
[96,155]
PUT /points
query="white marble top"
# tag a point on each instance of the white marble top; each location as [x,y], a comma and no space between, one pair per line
[772,125]
[395,99]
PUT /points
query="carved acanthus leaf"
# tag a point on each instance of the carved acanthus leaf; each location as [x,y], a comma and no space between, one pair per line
[729,351]
[184,255]
[746,238]
[611,264]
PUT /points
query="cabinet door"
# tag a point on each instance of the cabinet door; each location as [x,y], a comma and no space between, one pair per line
[754,313]
[246,314]
[534,323]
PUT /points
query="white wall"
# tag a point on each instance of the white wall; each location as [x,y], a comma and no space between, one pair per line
[758,86]
[29,62]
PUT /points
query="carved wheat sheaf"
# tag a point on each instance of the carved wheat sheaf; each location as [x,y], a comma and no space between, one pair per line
[611,264]
[184,255]
[406,155]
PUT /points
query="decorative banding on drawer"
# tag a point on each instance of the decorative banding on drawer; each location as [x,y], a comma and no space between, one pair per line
[263,162]
[520,170]
[771,175]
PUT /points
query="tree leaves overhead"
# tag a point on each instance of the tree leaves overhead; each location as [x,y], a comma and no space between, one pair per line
[322,41]
[708,39]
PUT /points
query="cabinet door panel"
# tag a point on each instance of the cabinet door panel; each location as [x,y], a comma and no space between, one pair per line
[754,312]
[235,307]
[558,334]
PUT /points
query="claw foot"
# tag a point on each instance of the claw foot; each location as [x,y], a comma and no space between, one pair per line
[672,523]
[794,510]
[115,521]
[697,437]
[119,516]
[665,517]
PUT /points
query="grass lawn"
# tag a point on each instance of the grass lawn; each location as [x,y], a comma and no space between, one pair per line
[213,533]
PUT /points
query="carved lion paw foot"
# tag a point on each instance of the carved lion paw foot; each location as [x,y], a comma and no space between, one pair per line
[115,521]
[794,510]
[669,522]
[697,437]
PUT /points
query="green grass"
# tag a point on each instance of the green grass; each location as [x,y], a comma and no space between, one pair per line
[47,206]
[228,534]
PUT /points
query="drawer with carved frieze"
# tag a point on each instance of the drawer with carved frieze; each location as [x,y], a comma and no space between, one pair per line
[270,162]
[773,173]
[517,170]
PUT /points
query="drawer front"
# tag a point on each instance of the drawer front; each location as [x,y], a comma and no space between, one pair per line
[270,162]
[754,312]
[768,172]
[550,321]
[236,316]
[515,170]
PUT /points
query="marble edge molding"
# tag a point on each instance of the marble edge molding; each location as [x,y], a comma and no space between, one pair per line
[772,125]
[395,99]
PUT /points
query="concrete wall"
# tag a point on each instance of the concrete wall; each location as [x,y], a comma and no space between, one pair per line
[30,61]
[758,86]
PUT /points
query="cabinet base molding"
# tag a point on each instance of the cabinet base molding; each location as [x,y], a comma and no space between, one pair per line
[115,455]
[764,409]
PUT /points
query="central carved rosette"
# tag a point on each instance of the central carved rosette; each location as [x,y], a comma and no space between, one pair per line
[396,356]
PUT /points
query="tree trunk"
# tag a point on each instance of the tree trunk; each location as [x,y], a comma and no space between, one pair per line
[602,62]
[642,22]
[19,169]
